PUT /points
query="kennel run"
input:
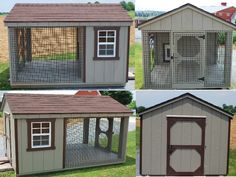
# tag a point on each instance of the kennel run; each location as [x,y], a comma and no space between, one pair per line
[185,136]
[45,133]
[68,45]
[187,48]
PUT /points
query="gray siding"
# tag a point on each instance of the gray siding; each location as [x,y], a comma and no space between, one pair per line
[106,71]
[39,161]
[187,19]
[155,137]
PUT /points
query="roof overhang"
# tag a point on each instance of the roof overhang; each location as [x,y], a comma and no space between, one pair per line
[187,6]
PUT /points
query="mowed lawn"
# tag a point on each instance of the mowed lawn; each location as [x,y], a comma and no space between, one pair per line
[232,155]
[121,170]
[138,66]
[4,76]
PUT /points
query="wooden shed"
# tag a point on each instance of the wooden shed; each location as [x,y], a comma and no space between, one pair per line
[68,45]
[187,48]
[185,136]
[46,133]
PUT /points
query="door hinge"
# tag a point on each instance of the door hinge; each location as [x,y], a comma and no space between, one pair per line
[203,36]
[201,78]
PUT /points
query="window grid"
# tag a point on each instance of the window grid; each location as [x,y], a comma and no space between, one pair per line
[42,135]
[109,44]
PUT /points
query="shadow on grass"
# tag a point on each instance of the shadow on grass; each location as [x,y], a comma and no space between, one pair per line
[109,168]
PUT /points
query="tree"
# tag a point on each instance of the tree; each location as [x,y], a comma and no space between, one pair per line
[124,97]
[128,6]
[229,108]
[132,105]
[96,2]
[140,109]
[131,6]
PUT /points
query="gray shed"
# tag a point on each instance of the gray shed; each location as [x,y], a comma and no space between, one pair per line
[68,45]
[46,133]
[187,48]
[185,136]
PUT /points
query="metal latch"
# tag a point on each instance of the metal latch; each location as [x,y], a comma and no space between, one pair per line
[201,78]
[203,36]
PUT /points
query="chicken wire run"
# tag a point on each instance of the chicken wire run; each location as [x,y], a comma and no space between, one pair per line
[193,59]
[47,54]
[90,141]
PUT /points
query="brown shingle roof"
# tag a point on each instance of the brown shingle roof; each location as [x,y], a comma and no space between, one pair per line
[62,104]
[67,12]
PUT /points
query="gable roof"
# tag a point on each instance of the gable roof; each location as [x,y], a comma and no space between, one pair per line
[67,12]
[192,97]
[224,13]
[62,104]
[188,5]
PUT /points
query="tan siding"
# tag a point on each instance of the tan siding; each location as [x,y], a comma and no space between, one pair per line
[31,162]
[216,136]
[106,71]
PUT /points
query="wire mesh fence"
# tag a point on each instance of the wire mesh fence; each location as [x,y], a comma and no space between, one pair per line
[90,141]
[47,55]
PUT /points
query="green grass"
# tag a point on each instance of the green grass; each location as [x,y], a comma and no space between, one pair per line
[121,170]
[4,76]
[61,56]
[232,163]
[137,137]
[138,66]
[132,56]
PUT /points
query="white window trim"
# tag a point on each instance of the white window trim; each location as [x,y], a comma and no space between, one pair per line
[106,43]
[41,134]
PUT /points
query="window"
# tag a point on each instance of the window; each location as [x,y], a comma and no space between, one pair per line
[106,43]
[41,134]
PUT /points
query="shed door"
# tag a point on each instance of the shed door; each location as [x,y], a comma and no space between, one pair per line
[188,60]
[185,146]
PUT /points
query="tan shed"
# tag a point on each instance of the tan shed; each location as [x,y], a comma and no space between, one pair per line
[46,133]
[185,136]
[187,48]
[68,45]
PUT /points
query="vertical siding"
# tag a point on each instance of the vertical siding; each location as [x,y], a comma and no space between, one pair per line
[187,19]
[39,161]
[155,133]
[106,71]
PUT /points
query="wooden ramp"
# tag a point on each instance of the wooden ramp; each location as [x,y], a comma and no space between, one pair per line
[5,164]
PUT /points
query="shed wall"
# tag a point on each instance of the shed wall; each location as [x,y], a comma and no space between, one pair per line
[39,161]
[106,71]
[186,19]
[154,141]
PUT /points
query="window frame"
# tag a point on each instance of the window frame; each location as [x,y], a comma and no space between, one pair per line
[115,43]
[51,134]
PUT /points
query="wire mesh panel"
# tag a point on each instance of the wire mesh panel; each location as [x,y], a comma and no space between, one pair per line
[91,141]
[188,60]
[47,55]
[217,58]
[159,56]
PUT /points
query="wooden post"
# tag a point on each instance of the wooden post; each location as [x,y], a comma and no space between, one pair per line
[109,134]
[228,59]
[28,45]
[86,131]
[97,132]
[123,137]
[146,60]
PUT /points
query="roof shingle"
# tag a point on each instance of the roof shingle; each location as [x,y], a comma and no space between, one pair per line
[62,104]
[67,12]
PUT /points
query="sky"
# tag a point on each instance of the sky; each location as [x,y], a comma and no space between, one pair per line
[6,5]
[149,98]
[166,5]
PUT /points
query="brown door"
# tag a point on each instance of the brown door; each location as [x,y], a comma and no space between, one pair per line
[185,145]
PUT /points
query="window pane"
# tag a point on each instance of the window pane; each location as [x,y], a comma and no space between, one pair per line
[45,137]
[111,33]
[102,46]
[110,52]
[110,46]
[110,40]
[102,33]
[45,130]
[36,143]
[46,142]
[102,52]
[36,131]
[45,125]
[36,138]
[36,125]
[102,39]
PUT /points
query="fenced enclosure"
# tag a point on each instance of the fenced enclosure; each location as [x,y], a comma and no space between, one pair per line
[92,141]
[187,59]
[47,54]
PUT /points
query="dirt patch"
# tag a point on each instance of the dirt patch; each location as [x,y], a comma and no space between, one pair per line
[233,134]
[3,41]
